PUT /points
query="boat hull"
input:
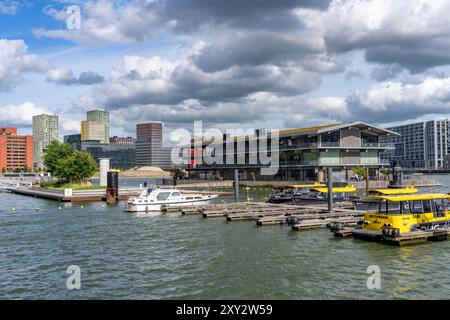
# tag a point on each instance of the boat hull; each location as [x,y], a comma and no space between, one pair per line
[146,207]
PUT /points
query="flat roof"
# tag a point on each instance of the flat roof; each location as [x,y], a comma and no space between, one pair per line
[316,130]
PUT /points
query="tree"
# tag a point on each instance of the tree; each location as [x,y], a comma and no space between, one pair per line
[178,173]
[76,167]
[3,170]
[386,172]
[26,169]
[54,152]
[360,171]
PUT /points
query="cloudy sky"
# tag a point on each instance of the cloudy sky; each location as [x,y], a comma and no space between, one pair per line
[232,64]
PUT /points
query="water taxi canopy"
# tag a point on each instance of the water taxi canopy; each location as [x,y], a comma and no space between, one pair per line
[418,197]
[303,186]
[389,192]
[347,189]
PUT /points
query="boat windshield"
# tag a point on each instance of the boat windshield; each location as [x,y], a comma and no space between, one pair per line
[390,207]
[163,196]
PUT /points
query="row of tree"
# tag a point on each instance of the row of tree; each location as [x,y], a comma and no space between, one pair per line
[67,164]
[24,169]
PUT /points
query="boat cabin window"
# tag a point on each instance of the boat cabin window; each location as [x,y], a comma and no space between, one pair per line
[391,207]
[438,207]
[176,194]
[441,206]
[163,196]
[416,207]
[427,206]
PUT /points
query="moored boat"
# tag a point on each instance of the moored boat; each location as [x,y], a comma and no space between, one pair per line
[320,195]
[154,199]
[372,201]
[288,193]
[400,215]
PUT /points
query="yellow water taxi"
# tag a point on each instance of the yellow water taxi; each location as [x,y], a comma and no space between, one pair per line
[346,189]
[407,213]
[320,194]
[287,193]
[392,191]
[372,200]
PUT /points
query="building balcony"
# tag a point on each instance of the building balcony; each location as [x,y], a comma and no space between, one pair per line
[378,145]
[337,145]
[301,163]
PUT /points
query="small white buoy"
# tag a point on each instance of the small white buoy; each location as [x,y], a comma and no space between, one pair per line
[60,208]
[37,209]
[82,207]
[13,210]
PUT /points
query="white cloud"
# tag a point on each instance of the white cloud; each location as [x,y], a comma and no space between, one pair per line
[396,101]
[14,61]
[65,76]
[20,115]
[59,75]
[104,22]
[412,34]
[8,7]
[155,80]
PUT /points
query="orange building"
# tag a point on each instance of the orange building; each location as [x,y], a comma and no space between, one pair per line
[16,151]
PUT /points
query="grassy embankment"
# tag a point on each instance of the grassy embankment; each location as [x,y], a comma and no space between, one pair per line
[55,185]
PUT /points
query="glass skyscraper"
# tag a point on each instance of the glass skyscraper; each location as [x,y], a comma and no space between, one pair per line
[45,130]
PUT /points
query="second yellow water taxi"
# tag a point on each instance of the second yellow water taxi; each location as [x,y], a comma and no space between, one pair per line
[397,215]
[373,197]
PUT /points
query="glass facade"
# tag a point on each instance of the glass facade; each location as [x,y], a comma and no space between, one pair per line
[304,154]
[122,156]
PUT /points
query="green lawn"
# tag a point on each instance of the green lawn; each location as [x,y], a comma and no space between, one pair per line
[76,186]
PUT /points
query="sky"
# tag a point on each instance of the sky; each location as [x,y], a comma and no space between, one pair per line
[232,64]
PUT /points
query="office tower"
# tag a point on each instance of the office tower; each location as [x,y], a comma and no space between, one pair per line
[16,151]
[421,145]
[96,126]
[45,130]
[150,131]
[93,131]
[149,149]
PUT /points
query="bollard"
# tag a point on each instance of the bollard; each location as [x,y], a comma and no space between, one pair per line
[236,185]
[330,189]
[112,191]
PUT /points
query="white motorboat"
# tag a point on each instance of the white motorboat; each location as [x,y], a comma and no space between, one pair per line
[153,199]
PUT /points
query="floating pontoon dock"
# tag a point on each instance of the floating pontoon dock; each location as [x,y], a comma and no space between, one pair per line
[85,195]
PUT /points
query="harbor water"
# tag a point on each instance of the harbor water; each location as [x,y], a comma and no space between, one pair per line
[169,256]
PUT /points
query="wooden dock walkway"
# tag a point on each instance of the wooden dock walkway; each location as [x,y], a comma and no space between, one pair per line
[405,239]
[77,196]
[269,214]
[86,195]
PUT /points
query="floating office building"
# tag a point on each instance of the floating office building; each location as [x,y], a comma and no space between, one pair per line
[301,154]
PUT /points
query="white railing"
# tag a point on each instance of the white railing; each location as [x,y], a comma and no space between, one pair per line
[6,183]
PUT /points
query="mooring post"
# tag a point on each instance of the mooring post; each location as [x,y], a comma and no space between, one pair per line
[236,185]
[367,181]
[112,191]
[330,188]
